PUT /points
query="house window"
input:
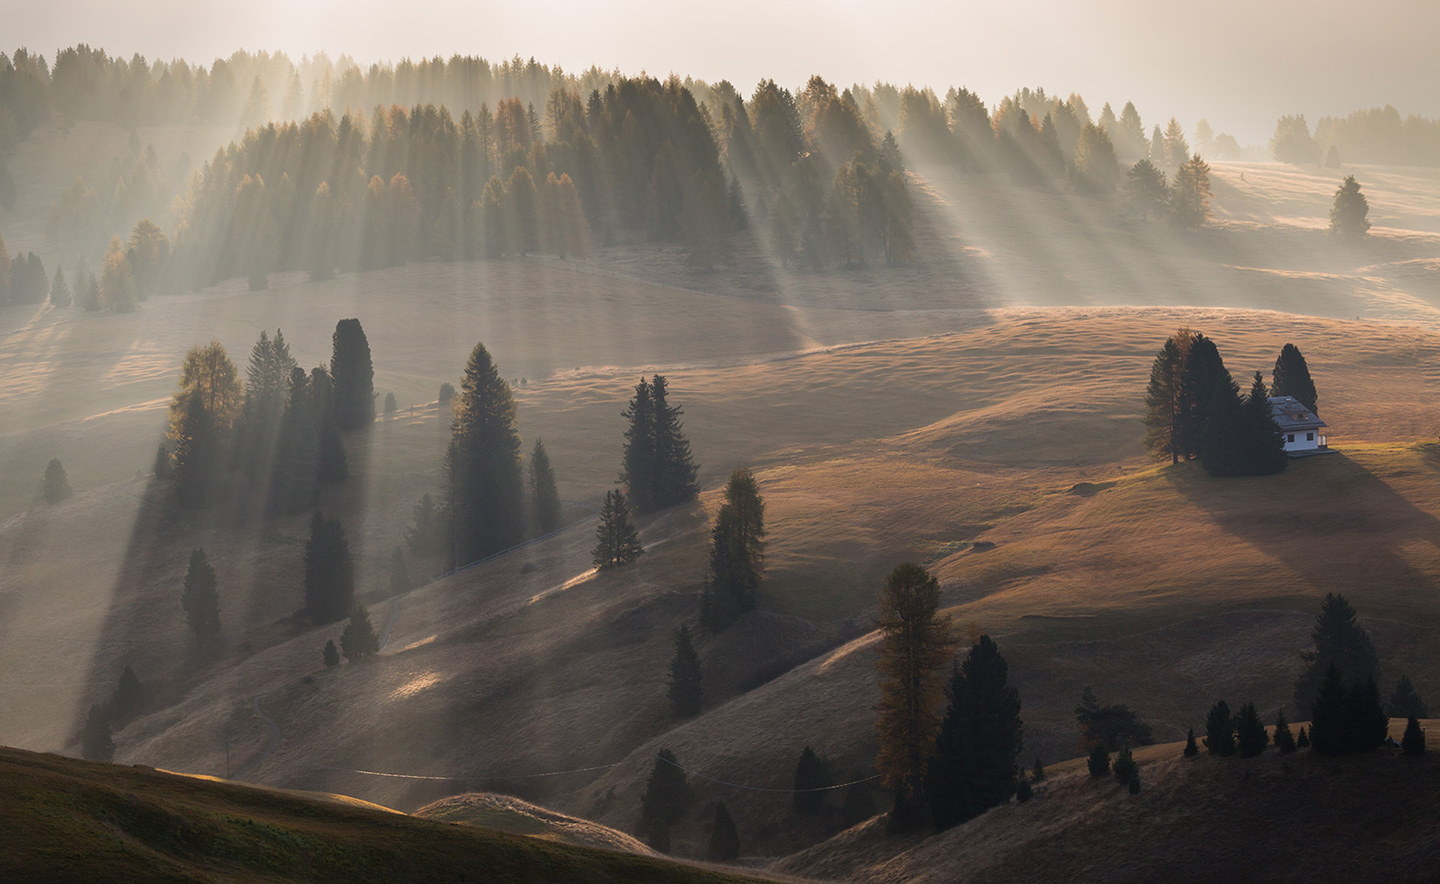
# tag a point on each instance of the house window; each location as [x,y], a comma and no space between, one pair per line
[1309,437]
[1290,438]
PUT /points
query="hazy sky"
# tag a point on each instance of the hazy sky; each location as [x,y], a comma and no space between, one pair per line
[1240,63]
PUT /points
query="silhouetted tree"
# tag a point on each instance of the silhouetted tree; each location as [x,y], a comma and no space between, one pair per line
[1250,735]
[1220,730]
[391,406]
[330,654]
[1302,740]
[640,464]
[447,392]
[482,464]
[1339,641]
[915,644]
[129,696]
[1114,726]
[96,743]
[1292,378]
[674,480]
[737,553]
[617,541]
[358,640]
[267,392]
[1223,439]
[974,765]
[1413,742]
[667,794]
[197,457]
[1164,402]
[1125,767]
[1190,194]
[1364,724]
[56,485]
[810,779]
[1191,750]
[60,296]
[1284,739]
[329,571]
[1099,761]
[1327,715]
[164,468]
[544,496]
[1146,189]
[683,687]
[1264,450]
[724,840]
[1349,215]
[200,599]
[353,376]
[1405,701]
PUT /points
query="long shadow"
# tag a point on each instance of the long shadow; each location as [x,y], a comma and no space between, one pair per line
[1329,519]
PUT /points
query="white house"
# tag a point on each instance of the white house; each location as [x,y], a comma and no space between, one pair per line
[1299,426]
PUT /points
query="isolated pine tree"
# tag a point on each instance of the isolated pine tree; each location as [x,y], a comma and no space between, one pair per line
[96,743]
[1191,750]
[330,654]
[974,764]
[1250,735]
[724,840]
[810,779]
[1099,761]
[354,376]
[200,599]
[684,688]
[1220,730]
[667,794]
[1349,214]
[1302,740]
[1125,767]
[674,481]
[1405,701]
[640,465]
[1284,739]
[482,464]
[1328,731]
[1292,378]
[1413,742]
[128,697]
[56,485]
[544,496]
[737,553]
[329,571]
[617,541]
[1163,401]
[358,640]
[1339,641]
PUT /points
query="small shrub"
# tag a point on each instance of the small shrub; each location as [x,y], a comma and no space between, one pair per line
[332,656]
[1125,767]
[391,406]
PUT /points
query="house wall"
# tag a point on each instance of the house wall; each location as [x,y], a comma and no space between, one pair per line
[1301,443]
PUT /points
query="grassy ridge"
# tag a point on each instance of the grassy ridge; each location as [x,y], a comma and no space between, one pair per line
[69,820]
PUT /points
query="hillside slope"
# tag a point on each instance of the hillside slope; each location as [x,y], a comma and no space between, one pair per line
[67,820]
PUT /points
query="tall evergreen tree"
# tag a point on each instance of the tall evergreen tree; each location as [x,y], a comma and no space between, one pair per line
[810,779]
[640,463]
[617,541]
[267,390]
[329,571]
[1284,739]
[915,644]
[1223,440]
[683,688]
[60,296]
[1365,725]
[1327,715]
[96,743]
[1162,398]
[1220,730]
[129,696]
[667,794]
[358,640]
[1125,768]
[1250,735]
[1413,742]
[1204,372]
[353,375]
[330,655]
[974,766]
[482,464]
[1191,750]
[674,480]
[1292,378]
[737,553]
[1190,194]
[544,496]
[56,485]
[197,454]
[295,465]
[1339,641]
[1405,701]
[724,839]
[1146,189]
[200,599]
[1349,215]
[1264,452]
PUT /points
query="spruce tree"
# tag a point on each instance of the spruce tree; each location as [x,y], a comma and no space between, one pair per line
[1292,378]
[1125,767]
[544,496]
[1204,372]
[667,794]
[96,743]
[353,375]
[1340,641]
[1264,448]
[60,296]
[737,553]
[447,392]
[1284,739]
[1224,441]
[1098,762]
[358,640]
[1220,730]
[200,599]
[56,485]
[330,654]
[617,541]
[915,645]
[1364,725]
[1349,214]
[639,465]
[810,779]
[482,464]
[295,465]
[1190,194]
[1162,399]
[329,571]
[683,687]
[1413,742]
[267,391]
[724,840]
[1250,735]
[128,697]
[1327,715]
[1405,701]
[197,455]
[1191,750]
[674,481]
[974,765]
[1302,740]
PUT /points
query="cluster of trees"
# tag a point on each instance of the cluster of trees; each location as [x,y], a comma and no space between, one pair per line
[279,432]
[956,763]
[657,467]
[1183,199]
[1111,727]
[1193,408]
[96,734]
[22,278]
[1378,135]
[737,553]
